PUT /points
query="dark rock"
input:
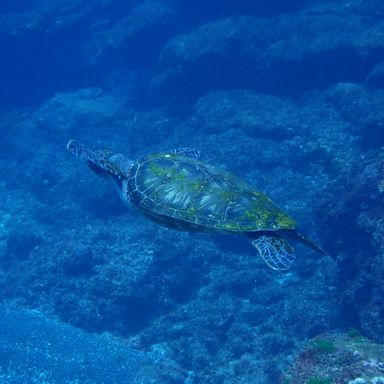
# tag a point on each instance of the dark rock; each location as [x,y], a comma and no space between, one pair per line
[376,76]
[20,245]
[275,54]
[356,214]
[361,108]
[127,41]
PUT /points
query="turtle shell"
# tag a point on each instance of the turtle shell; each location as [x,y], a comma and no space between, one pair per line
[187,193]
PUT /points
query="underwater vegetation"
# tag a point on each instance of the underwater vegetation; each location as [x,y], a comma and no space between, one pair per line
[338,359]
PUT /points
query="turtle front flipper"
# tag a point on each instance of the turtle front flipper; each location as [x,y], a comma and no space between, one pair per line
[93,159]
[274,250]
[80,150]
[190,153]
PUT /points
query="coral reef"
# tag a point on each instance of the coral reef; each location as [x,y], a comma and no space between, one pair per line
[337,359]
[357,214]
[286,94]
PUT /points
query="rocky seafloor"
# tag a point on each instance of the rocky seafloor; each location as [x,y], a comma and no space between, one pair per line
[288,95]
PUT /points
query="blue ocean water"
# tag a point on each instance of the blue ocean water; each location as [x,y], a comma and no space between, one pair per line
[286,95]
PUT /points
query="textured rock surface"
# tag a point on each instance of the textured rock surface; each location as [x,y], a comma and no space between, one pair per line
[338,359]
[357,215]
[286,94]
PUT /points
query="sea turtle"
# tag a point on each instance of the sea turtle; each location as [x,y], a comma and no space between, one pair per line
[179,190]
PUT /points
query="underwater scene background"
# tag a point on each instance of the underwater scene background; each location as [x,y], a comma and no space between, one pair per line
[286,94]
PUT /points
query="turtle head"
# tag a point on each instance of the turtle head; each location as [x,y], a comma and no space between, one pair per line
[103,162]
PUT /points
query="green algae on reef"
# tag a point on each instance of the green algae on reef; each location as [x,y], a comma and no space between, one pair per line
[338,359]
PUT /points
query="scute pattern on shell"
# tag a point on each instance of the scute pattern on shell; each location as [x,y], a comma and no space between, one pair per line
[172,187]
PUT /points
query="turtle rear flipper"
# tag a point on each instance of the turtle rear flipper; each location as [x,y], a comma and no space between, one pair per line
[274,250]
[296,236]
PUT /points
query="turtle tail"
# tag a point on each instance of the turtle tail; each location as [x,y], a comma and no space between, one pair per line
[296,236]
